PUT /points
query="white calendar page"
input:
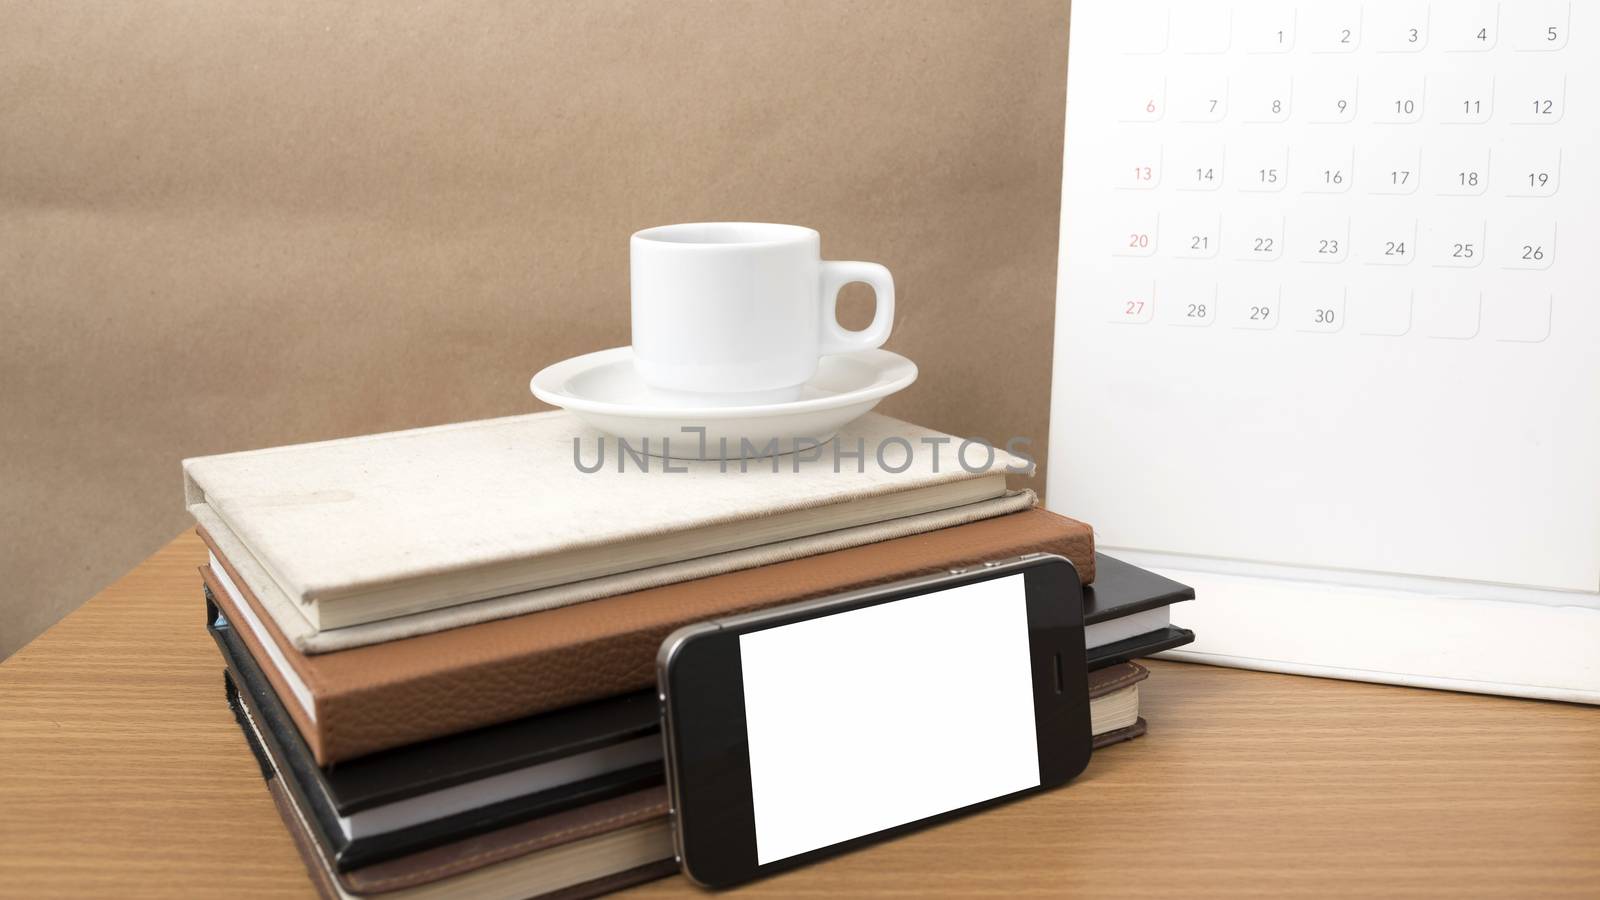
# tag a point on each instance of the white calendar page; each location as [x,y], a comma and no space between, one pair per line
[1330,286]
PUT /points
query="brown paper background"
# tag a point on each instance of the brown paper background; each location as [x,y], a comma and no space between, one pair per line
[231,225]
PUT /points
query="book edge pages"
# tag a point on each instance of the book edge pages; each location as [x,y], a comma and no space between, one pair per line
[300,691]
[289,616]
[1114,711]
[308,640]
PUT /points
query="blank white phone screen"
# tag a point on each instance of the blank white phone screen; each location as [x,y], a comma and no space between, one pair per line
[876,717]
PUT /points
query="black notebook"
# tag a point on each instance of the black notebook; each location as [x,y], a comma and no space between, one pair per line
[412,798]
[1131,607]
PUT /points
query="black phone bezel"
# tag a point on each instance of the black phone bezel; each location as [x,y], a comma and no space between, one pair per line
[707,745]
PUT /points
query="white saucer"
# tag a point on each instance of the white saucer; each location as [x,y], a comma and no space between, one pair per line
[604,391]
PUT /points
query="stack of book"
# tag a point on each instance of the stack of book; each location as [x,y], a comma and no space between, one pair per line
[440,643]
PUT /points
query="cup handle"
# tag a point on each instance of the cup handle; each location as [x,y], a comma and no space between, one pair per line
[835,275]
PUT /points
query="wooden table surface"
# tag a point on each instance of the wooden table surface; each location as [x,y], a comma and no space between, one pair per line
[123,774]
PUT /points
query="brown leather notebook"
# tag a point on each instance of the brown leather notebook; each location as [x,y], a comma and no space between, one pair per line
[354,702]
[511,855]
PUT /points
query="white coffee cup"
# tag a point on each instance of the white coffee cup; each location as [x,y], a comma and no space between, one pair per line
[740,312]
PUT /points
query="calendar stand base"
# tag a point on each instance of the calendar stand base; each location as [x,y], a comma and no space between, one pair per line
[1419,632]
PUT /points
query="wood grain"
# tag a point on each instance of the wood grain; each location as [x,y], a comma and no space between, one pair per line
[122,773]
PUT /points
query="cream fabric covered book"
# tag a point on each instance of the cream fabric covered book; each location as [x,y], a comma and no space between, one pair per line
[350,532]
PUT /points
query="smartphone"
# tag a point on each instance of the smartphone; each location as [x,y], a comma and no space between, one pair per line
[801,732]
